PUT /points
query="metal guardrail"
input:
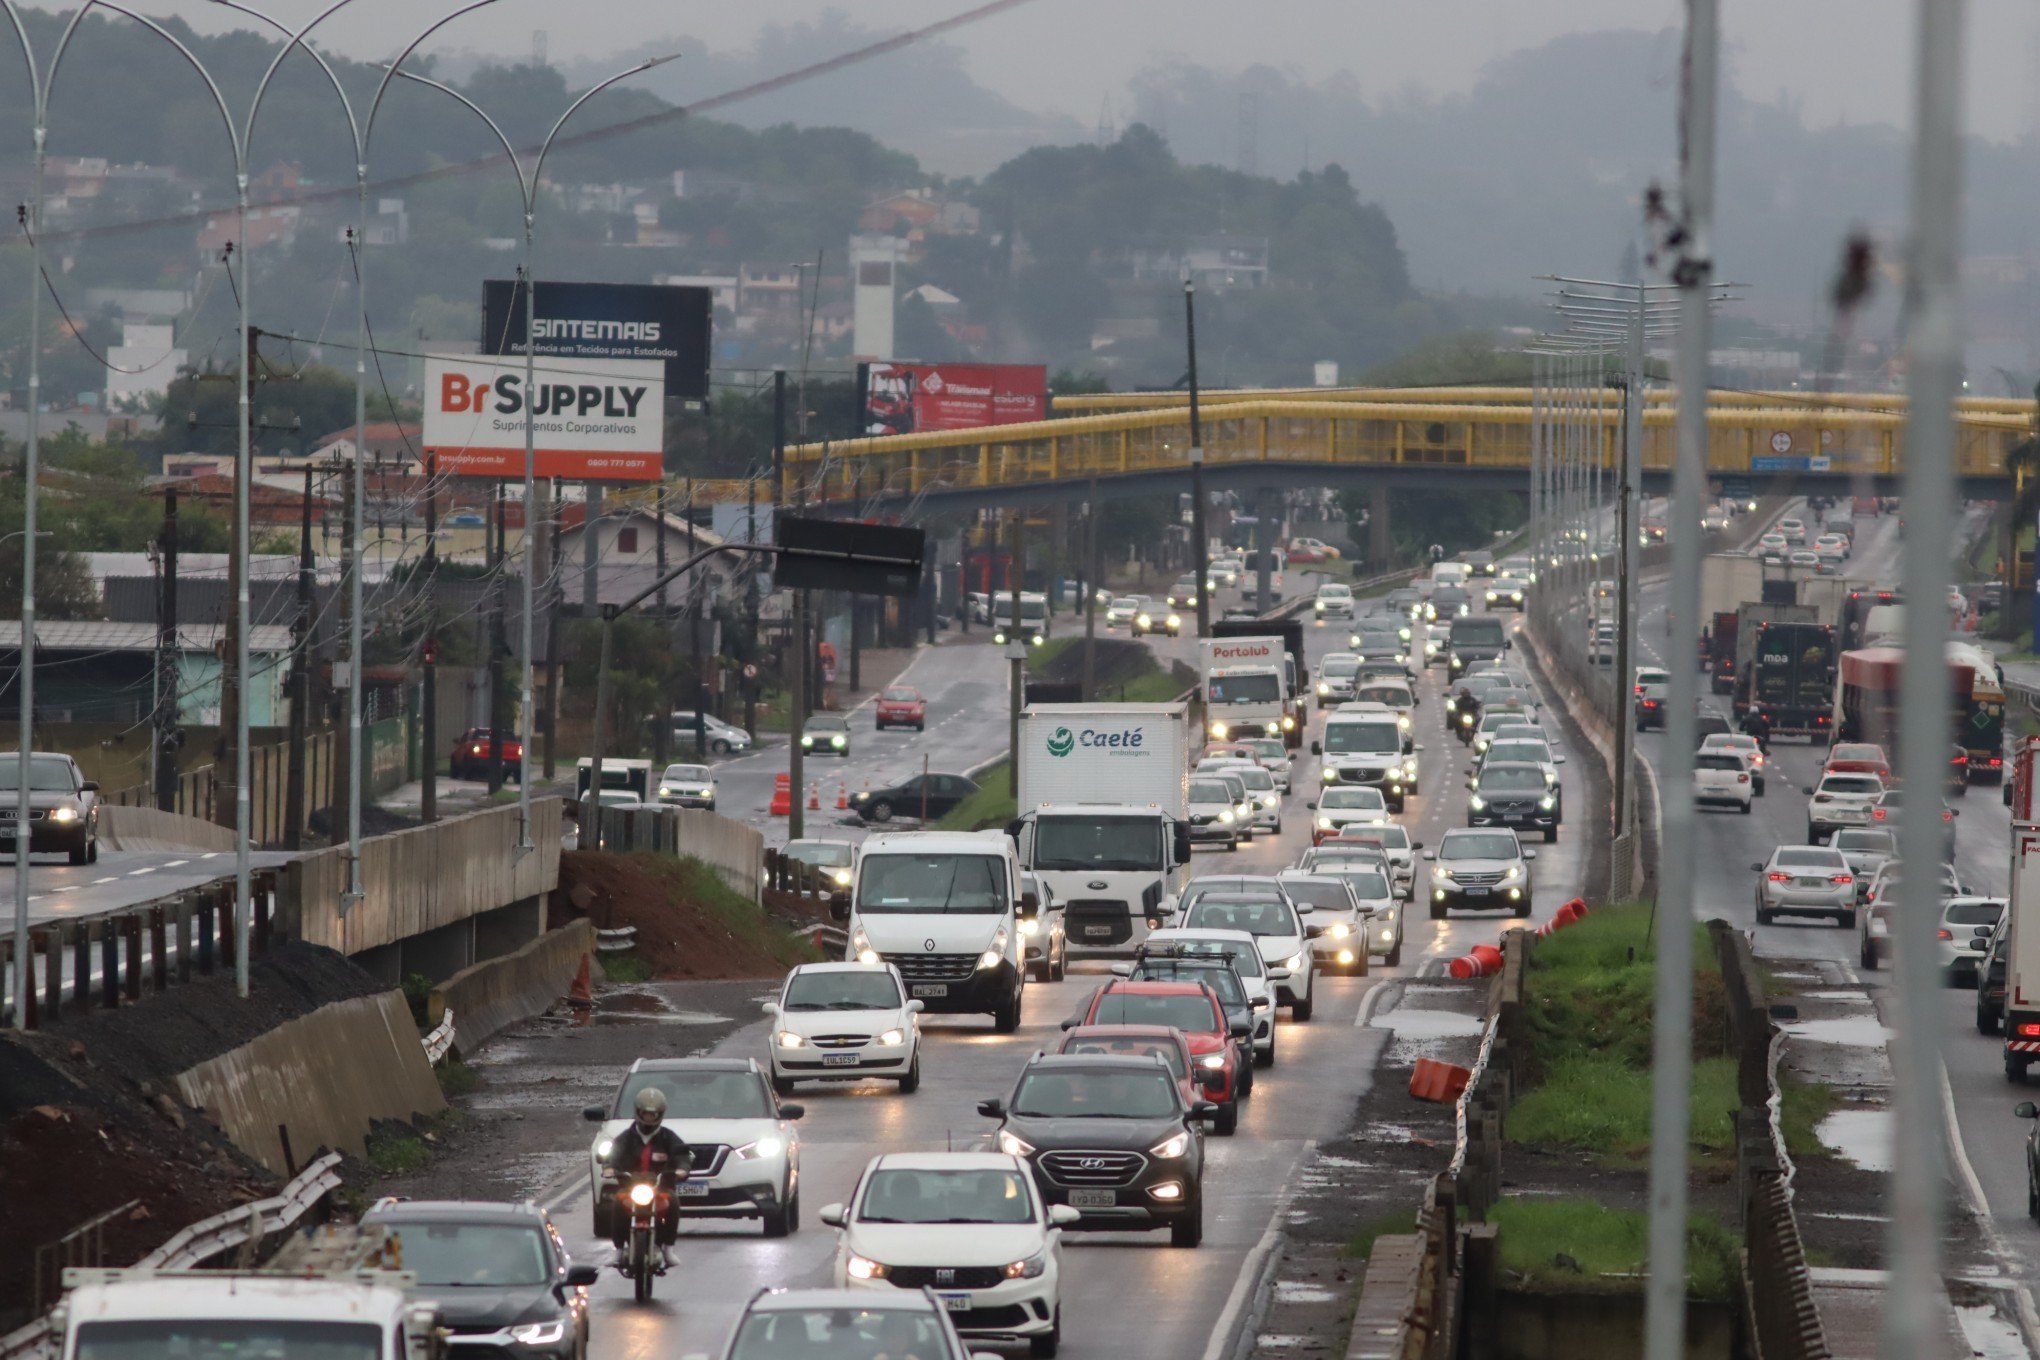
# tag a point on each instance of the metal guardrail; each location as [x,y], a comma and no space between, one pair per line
[615,941]
[439,1042]
[202,1241]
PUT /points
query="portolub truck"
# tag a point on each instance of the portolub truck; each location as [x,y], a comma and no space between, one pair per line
[343,1298]
[1100,796]
[1248,687]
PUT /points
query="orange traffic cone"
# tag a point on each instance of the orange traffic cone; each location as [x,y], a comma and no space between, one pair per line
[814,795]
[581,996]
[1437,1081]
[842,795]
[782,796]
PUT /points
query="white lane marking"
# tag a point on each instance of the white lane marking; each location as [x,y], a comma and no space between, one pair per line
[137,873]
[175,863]
[1249,1279]
[111,878]
[212,854]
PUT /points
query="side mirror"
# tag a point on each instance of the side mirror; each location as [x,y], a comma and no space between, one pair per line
[839,906]
[1418,845]
[992,1109]
[1529,854]
[1030,906]
[832,1214]
[1430,854]
[1313,932]
[770,1008]
[1071,1023]
[91,786]
[2025,1109]
[1317,748]
[1557,759]
[594,1114]
[1013,828]
[1756,868]
[1809,790]
[1204,1109]
[1241,1029]
[917,1005]
[791,1112]
[1182,846]
[1312,805]
[1062,1215]
[1122,970]
[581,1277]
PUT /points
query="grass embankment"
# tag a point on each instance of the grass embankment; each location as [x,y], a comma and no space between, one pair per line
[1575,1244]
[991,806]
[690,924]
[1589,996]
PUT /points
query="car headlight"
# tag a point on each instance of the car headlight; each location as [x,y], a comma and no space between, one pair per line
[1175,621]
[1339,930]
[892,1038]
[991,958]
[642,1194]
[842,877]
[1323,688]
[1226,817]
[1219,729]
[863,1268]
[540,1333]
[1403,721]
[1214,1062]
[1318,605]
[667,790]
[768,1146]
[1270,800]
[1513,874]
[1288,723]
[1143,621]
[1409,769]
[1038,639]
[999,637]
[1013,1145]
[1547,802]
[64,814]
[806,740]
[1030,1269]
[1325,822]
[1030,927]
[1442,876]
[1329,776]
[1294,962]
[1476,802]
[602,1147]
[1389,934]
[1171,1147]
[835,741]
[786,1038]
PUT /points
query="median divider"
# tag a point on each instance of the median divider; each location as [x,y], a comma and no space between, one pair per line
[491,996]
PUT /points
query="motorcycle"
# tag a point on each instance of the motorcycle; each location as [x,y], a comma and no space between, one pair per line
[645,1200]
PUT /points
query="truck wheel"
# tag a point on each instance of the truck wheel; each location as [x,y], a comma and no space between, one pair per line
[1006,1019]
[1986,1023]
[1867,957]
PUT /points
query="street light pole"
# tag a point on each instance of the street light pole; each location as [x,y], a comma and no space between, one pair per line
[527,186]
[1199,551]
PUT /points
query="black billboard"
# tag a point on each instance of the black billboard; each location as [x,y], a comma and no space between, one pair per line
[863,559]
[608,321]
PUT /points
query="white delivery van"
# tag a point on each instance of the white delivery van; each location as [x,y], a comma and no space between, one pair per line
[1101,796]
[945,908]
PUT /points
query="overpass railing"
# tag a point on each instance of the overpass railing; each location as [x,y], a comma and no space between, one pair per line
[1495,436]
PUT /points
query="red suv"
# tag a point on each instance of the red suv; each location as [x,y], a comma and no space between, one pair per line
[902,706]
[1168,1043]
[471,754]
[1192,1008]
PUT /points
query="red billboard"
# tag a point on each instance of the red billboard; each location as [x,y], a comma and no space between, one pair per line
[904,398]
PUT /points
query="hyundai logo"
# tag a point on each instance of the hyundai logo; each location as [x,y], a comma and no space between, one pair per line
[1092,1164]
[928,945]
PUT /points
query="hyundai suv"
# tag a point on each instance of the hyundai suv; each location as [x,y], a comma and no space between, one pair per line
[499,1274]
[1481,869]
[1112,1138]
[1513,794]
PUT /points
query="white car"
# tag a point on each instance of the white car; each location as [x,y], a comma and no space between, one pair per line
[1245,953]
[1120,613]
[1274,756]
[776,1323]
[1722,778]
[1337,677]
[1961,948]
[1357,909]
[723,738]
[971,1226]
[1792,529]
[1841,800]
[1334,601]
[1396,847]
[1866,849]
[1212,811]
[687,786]
[746,1153]
[1341,805]
[1226,571]
[844,1022]
[1506,592]
[1263,798]
[1806,880]
[1753,754]
[1279,933]
[1601,643]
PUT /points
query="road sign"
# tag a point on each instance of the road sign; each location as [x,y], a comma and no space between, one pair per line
[1781,441]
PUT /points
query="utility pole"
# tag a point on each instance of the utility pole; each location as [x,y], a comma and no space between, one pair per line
[300,679]
[796,717]
[1624,773]
[1091,579]
[428,650]
[662,725]
[165,735]
[1200,557]
[553,564]
[498,645]
[227,755]
[1016,645]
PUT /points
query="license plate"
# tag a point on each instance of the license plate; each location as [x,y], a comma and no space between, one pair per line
[691,1190]
[956,1303]
[1092,1199]
[1097,932]
[931,989]
[839,1060]
[1477,892]
[1810,882]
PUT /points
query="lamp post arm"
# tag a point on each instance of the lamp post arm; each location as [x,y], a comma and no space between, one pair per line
[390,72]
[234,133]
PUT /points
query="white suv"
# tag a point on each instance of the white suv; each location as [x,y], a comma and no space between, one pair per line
[1840,800]
[1334,601]
[1280,934]
[1481,868]
[844,1022]
[973,1227]
[746,1153]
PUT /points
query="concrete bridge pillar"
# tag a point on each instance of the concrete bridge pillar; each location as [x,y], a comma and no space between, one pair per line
[1380,547]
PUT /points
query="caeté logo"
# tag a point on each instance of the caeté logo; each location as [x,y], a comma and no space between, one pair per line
[1062,741]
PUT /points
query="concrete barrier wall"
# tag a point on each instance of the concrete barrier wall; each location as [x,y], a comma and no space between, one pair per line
[735,851]
[324,1076]
[493,995]
[422,879]
[144,828]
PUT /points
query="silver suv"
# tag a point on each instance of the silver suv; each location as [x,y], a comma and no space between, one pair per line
[1481,868]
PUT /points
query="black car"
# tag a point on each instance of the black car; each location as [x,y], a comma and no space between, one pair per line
[63,806]
[499,1274]
[942,793]
[1514,794]
[1112,1138]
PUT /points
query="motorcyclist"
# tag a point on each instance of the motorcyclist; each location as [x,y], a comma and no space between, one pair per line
[1757,724]
[649,1148]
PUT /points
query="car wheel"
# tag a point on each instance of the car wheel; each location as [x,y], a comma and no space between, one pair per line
[1232,846]
[2032,1196]
[1847,921]
[1006,1019]
[1300,1009]
[1264,1059]
[1228,1121]
[1550,834]
[1277,830]
[1393,958]
[1059,968]
[1437,911]
[1867,957]
[1760,788]
[881,811]
[79,855]
[783,1218]
[720,746]
[1188,1232]
[911,1082]
[1521,908]
[782,1086]
[922,727]
[1044,1347]
[1764,918]
[1745,808]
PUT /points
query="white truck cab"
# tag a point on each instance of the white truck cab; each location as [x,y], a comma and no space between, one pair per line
[946,909]
[1249,687]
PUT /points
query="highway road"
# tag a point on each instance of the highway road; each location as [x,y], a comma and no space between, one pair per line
[1307,1097]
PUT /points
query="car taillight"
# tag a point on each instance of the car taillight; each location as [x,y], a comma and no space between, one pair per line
[1781,878]
[2029,1031]
[1944,934]
[1840,879]
[1742,779]
[1994,760]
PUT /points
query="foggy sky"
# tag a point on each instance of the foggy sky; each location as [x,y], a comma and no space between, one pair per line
[1836,60]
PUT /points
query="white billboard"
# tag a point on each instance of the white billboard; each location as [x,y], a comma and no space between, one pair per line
[594,420]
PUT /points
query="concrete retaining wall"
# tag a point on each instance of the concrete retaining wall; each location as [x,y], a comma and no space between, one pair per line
[324,1076]
[735,851]
[491,996]
[144,828]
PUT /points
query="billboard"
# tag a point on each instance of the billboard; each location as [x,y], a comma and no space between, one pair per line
[903,398]
[666,322]
[593,420]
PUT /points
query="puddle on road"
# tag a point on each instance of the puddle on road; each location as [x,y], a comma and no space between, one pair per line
[1861,1136]
[1418,1023]
[1853,1031]
[1989,1336]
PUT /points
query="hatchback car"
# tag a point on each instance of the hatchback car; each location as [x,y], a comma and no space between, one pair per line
[746,1153]
[1722,779]
[777,1323]
[1482,869]
[1990,979]
[1280,934]
[1752,752]
[972,1226]
[1840,800]
[826,734]
[1963,936]
[1112,1138]
[1119,614]
[687,786]
[1858,757]
[1356,912]
[1213,813]
[499,1274]
[900,706]
[1396,847]
[63,806]
[1341,805]
[844,1022]
[1333,601]
[719,737]
[1805,880]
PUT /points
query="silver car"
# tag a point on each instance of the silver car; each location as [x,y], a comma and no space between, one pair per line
[1806,880]
[1866,850]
